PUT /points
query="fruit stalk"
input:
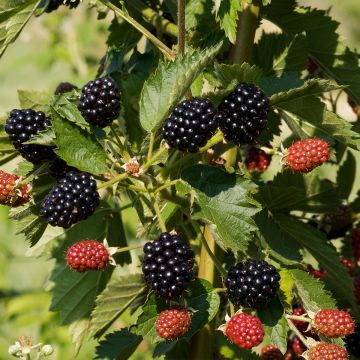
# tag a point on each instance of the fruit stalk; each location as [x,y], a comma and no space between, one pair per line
[181,27]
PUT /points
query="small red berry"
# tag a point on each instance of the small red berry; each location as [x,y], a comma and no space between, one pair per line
[173,323]
[333,323]
[87,255]
[297,346]
[257,160]
[245,331]
[305,155]
[12,192]
[357,289]
[355,243]
[271,352]
[349,264]
[317,274]
[312,67]
[327,351]
[301,325]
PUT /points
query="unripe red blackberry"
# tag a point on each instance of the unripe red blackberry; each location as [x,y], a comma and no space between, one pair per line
[352,342]
[333,323]
[349,264]
[252,284]
[74,198]
[190,125]
[167,265]
[244,330]
[173,323]
[64,87]
[12,192]
[21,126]
[316,273]
[327,351]
[306,155]
[58,168]
[271,352]
[99,103]
[355,243]
[243,114]
[336,224]
[297,346]
[257,160]
[301,325]
[54,4]
[87,255]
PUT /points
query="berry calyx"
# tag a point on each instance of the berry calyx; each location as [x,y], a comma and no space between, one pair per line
[21,126]
[306,155]
[173,323]
[333,323]
[327,351]
[245,331]
[355,243]
[252,284]
[271,352]
[243,114]
[99,103]
[167,265]
[74,198]
[352,342]
[257,160]
[190,125]
[12,192]
[87,255]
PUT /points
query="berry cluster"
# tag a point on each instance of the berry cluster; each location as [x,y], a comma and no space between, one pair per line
[257,160]
[74,198]
[21,126]
[167,265]
[327,351]
[271,352]
[12,192]
[190,125]
[243,114]
[336,224]
[305,155]
[87,255]
[244,330]
[333,323]
[64,87]
[301,325]
[58,168]
[252,284]
[173,323]
[99,103]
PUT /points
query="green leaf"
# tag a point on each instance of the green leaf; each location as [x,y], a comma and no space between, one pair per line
[79,330]
[275,324]
[227,16]
[324,252]
[310,116]
[286,286]
[230,351]
[24,168]
[281,52]
[46,137]
[32,99]
[326,47]
[78,147]
[346,176]
[311,291]
[120,292]
[119,345]
[169,83]
[291,191]
[13,20]
[225,202]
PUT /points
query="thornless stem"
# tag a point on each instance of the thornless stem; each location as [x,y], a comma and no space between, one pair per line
[181,27]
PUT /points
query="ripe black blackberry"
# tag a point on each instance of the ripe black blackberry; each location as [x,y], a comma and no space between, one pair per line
[64,87]
[252,284]
[190,125]
[167,265]
[54,4]
[243,114]
[99,103]
[352,342]
[58,168]
[21,126]
[74,198]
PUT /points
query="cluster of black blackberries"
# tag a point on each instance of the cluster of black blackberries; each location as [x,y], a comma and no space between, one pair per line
[54,4]
[167,265]
[99,103]
[21,126]
[252,284]
[241,116]
[74,198]
[58,168]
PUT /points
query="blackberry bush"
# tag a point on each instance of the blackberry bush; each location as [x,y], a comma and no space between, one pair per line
[149,189]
